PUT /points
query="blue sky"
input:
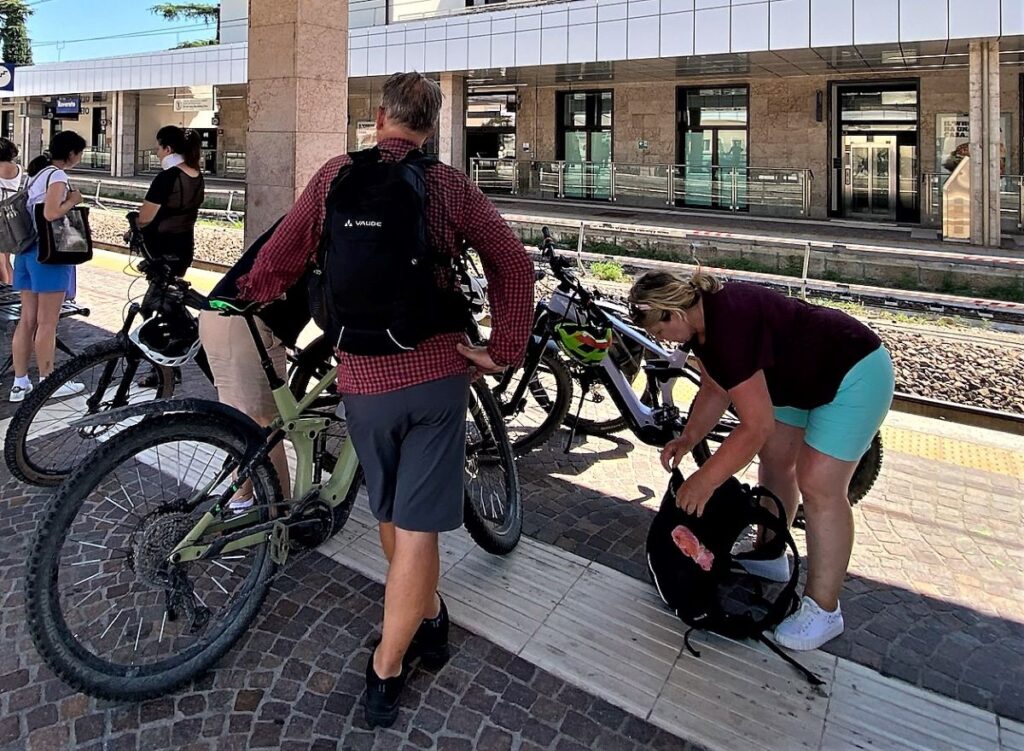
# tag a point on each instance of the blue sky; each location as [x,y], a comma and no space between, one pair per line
[69,20]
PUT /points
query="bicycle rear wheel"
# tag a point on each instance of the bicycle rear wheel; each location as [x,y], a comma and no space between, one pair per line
[41,448]
[106,610]
[493,513]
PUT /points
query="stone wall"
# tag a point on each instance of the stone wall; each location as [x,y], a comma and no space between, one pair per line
[785,134]
[232,116]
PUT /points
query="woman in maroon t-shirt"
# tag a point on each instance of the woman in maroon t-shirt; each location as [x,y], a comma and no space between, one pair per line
[811,387]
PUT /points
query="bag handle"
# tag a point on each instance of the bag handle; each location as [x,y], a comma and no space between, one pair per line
[33,180]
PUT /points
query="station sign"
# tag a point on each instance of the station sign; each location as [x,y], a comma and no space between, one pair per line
[67,105]
[193,104]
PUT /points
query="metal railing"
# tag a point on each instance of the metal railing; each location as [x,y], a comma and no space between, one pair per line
[117,194]
[146,161]
[96,159]
[1011,200]
[1011,196]
[758,190]
[228,165]
[231,165]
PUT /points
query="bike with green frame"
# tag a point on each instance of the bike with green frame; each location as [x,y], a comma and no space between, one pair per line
[140,577]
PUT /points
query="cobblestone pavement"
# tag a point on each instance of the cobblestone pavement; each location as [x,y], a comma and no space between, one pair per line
[294,680]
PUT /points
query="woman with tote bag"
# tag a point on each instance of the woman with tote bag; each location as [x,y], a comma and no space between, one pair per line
[11,175]
[43,286]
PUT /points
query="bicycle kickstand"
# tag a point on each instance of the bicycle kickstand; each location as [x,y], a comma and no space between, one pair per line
[576,422]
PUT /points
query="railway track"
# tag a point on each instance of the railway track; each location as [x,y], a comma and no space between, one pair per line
[923,406]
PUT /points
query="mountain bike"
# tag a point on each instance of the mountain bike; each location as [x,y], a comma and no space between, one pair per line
[642,379]
[139,575]
[40,447]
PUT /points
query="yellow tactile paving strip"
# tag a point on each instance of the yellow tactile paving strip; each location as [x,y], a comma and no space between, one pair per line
[952,451]
[202,280]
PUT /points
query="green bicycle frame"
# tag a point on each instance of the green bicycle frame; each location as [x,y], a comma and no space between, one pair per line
[302,431]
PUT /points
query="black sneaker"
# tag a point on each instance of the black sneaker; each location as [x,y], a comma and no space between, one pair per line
[382,696]
[430,643]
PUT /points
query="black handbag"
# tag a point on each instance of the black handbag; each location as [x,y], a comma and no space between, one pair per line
[66,241]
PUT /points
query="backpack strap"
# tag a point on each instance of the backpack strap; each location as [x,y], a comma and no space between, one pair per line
[786,602]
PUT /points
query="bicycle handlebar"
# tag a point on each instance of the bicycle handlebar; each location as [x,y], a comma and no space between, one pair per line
[560,269]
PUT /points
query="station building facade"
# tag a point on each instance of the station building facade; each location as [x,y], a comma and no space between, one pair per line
[852,110]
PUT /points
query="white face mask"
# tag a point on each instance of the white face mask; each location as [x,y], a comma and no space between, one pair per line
[172,160]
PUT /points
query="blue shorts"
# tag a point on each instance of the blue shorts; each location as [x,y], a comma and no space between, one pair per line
[844,427]
[32,276]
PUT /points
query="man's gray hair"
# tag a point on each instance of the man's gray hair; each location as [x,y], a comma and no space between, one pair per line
[412,100]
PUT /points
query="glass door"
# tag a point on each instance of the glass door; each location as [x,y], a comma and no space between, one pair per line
[574,181]
[869,176]
[697,168]
[585,143]
[731,158]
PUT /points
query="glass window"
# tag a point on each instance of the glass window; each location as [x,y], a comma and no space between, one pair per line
[575,111]
[879,106]
[716,108]
[604,105]
[712,147]
[491,110]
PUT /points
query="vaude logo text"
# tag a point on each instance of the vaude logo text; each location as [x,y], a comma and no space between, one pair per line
[363,223]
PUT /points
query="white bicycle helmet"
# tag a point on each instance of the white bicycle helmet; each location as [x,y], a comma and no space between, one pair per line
[170,342]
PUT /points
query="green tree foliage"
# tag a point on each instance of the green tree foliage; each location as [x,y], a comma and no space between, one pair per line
[17,45]
[206,12]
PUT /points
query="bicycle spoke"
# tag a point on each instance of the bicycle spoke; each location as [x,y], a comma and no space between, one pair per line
[133,590]
[50,445]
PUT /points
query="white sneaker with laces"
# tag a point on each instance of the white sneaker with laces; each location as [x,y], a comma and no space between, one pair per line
[809,627]
[18,393]
[238,505]
[772,569]
[68,389]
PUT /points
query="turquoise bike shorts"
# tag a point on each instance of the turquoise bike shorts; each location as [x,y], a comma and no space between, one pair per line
[844,427]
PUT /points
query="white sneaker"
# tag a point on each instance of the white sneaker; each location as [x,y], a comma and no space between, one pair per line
[68,389]
[238,505]
[18,393]
[772,569]
[809,627]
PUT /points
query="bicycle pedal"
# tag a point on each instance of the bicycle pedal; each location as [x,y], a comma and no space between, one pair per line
[279,545]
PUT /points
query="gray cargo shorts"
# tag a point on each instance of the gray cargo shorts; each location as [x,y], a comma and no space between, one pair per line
[411,444]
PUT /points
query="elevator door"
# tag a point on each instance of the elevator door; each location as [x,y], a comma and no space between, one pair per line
[869,177]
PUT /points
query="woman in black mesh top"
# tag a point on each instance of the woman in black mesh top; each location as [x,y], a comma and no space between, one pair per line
[169,213]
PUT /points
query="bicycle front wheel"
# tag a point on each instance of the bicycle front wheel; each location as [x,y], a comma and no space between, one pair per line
[41,448]
[107,611]
[493,513]
[544,404]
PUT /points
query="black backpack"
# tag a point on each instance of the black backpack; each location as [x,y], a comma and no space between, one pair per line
[691,574]
[378,288]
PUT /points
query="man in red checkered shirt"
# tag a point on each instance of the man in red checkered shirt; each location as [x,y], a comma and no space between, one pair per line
[406,412]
